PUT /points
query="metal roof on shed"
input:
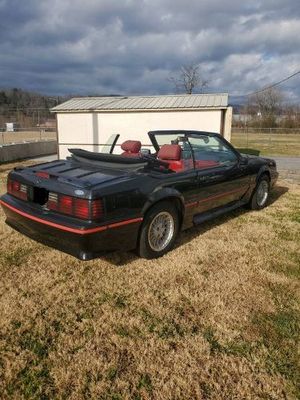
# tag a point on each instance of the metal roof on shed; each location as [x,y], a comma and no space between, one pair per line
[132,103]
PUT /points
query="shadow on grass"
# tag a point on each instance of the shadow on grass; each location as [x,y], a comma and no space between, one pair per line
[276,193]
[120,259]
[244,150]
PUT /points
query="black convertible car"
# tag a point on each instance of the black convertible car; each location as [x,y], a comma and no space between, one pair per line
[95,202]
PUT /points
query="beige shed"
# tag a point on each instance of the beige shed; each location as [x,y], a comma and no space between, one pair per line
[90,122]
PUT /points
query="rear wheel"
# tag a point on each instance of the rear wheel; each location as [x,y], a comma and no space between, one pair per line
[159,230]
[261,194]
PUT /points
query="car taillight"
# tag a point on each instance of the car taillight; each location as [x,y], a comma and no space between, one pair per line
[96,209]
[82,208]
[17,189]
[79,208]
[65,204]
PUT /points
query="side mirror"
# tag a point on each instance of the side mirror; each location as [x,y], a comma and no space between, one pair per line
[146,151]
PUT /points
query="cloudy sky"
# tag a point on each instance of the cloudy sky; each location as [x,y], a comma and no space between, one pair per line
[133,46]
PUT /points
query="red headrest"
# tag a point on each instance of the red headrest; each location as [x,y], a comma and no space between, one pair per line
[132,146]
[169,152]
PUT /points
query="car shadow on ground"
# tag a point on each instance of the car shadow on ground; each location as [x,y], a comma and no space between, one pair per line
[278,191]
[120,259]
[246,150]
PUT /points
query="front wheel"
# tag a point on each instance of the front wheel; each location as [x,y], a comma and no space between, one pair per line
[159,230]
[261,194]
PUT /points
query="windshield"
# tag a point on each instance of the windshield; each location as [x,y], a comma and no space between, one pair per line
[108,148]
[168,138]
[186,150]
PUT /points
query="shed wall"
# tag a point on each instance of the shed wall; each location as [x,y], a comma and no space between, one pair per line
[91,130]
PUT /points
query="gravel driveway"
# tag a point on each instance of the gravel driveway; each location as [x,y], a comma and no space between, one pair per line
[289,168]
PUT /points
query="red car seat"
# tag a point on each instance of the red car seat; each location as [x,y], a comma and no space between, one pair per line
[171,153]
[131,148]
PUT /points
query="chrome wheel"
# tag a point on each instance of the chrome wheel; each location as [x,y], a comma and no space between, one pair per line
[161,231]
[262,193]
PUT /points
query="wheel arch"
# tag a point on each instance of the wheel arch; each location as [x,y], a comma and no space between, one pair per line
[163,196]
[166,194]
[263,171]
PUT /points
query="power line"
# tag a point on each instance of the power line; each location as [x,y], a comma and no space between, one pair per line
[272,85]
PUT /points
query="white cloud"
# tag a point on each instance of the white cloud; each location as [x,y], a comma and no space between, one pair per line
[132,46]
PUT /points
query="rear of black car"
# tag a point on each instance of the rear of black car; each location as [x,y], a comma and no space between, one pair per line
[65,205]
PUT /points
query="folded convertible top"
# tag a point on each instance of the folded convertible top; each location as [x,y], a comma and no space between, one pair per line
[111,158]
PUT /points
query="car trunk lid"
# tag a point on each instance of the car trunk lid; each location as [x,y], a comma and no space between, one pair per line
[69,174]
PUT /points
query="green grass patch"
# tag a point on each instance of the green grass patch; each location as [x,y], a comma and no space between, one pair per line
[120,301]
[279,334]
[116,300]
[290,267]
[112,373]
[34,382]
[38,346]
[15,257]
[215,346]
[123,331]
[145,383]
[288,234]
[239,348]
[164,328]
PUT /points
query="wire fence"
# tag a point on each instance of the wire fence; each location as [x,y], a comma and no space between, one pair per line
[20,135]
[279,131]
[270,141]
[258,141]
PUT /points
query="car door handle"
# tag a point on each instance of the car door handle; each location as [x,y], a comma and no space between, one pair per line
[208,178]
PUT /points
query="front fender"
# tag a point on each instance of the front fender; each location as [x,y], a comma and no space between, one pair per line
[263,170]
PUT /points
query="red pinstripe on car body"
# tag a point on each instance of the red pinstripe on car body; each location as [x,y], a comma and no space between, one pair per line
[69,229]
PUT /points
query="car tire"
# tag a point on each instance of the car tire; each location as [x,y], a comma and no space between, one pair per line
[159,230]
[260,194]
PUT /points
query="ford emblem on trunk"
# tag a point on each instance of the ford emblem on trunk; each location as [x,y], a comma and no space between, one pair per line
[79,192]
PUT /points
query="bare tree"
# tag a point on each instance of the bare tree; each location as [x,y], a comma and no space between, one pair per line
[268,104]
[291,116]
[188,79]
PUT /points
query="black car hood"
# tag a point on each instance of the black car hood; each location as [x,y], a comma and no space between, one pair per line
[267,160]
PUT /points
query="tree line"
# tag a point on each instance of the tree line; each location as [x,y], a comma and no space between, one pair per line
[26,108]
[269,109]
[265,109]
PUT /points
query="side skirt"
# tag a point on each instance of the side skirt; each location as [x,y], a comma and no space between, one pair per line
[206,216]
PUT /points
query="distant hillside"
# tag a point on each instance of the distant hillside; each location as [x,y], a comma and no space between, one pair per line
[30,109]
[18,99]
[27,109]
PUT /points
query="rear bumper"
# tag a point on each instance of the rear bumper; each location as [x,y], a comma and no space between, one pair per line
[82,241]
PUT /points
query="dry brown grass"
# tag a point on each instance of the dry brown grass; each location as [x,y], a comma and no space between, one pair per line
[216,318]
